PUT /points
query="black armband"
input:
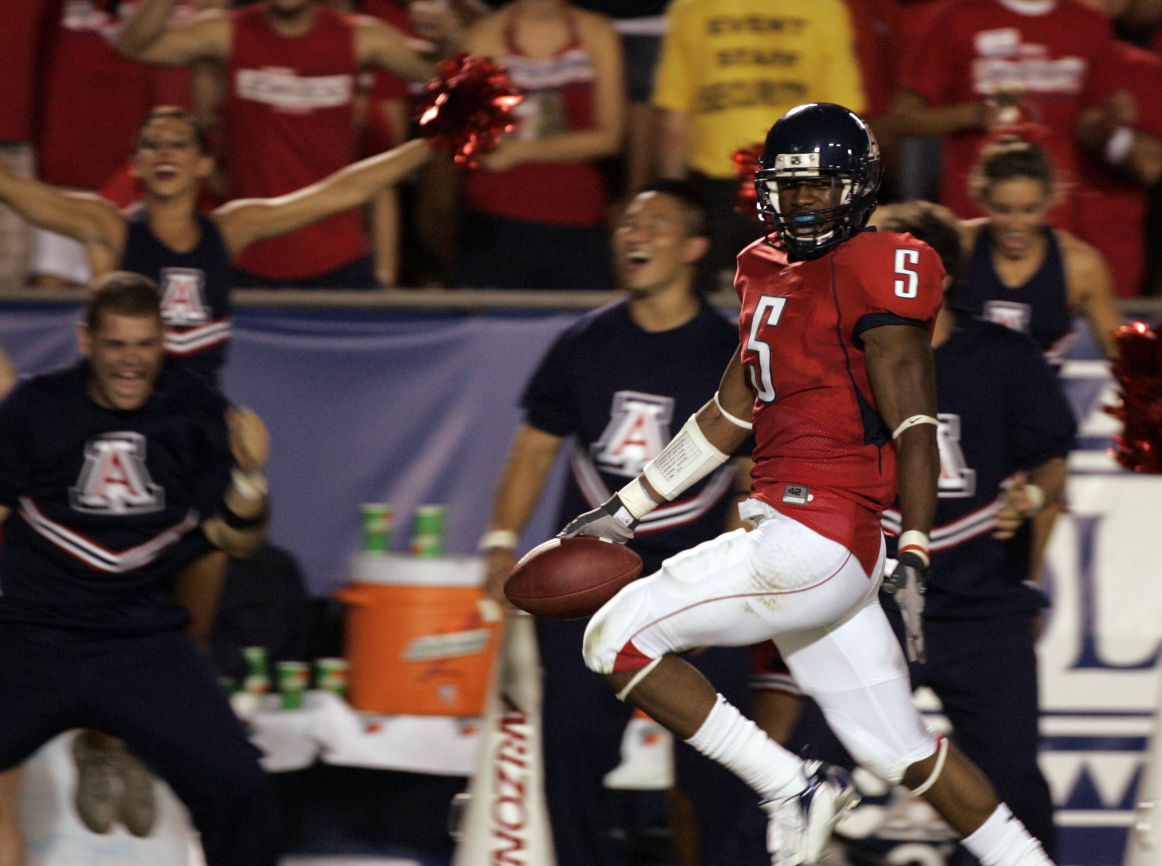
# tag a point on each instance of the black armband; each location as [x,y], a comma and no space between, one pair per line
[236,521]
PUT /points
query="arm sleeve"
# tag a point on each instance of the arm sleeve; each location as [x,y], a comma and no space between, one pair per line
[902,280]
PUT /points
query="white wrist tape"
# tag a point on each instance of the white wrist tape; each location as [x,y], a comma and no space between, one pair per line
[913,541]
[737,422]
[1036,497]
[250,485]
[636,499]
[1118,145]
[689,457]
[912,422]
[497,539]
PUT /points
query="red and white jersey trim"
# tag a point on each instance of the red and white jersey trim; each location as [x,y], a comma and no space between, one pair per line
[666,516]
[96,556]
[194,340]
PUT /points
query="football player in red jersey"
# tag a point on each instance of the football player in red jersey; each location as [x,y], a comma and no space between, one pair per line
[834,377]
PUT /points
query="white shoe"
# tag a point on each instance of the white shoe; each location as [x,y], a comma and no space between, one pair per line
[800,826]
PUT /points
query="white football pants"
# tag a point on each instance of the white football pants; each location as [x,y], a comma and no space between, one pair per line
[787,583]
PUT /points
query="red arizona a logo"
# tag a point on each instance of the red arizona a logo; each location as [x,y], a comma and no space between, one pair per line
[183,300]
[114,479]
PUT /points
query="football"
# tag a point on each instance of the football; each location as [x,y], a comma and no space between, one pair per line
[570,578]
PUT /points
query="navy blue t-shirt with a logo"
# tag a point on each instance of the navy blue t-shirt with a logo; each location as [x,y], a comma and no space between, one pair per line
[623,393]
[195,292]
[1002,411]
[105,505]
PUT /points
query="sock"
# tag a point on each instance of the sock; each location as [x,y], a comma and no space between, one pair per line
[1002,840]
[733,740]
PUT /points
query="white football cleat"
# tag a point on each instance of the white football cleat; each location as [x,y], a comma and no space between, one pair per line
[800,826]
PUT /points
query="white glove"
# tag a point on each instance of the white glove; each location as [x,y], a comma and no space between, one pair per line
[906,585]
[610,520]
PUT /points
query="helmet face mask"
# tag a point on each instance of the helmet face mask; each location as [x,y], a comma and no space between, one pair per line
[827,150]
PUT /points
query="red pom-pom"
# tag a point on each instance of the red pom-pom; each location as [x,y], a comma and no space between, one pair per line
[1138,372]
[467,107]
[746,163]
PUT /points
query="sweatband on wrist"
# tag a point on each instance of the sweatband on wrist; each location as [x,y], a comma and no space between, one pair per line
[236,521]
[913,541]
[497,539]
[1118,145]
[688,457]
[248,485]
[1036,497]
[636,499]
[912,422]
[737,422]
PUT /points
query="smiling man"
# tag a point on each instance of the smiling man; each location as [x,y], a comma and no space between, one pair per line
[115,474]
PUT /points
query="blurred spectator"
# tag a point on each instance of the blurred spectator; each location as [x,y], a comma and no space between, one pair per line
[20,62]
[1124,139]
[728,68]
[640,23]
[535,213]
[444,22]
[876,24]
[1024,273]
[382,121]
[288,116]
[86,86]
[981,66]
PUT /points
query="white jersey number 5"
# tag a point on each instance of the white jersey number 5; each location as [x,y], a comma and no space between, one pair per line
[767,312]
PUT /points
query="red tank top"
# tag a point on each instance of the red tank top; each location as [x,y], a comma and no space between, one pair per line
[89,93]
[288,122]
[558,96]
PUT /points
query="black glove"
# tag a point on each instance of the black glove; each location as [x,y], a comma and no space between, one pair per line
[906,585]
[610,520]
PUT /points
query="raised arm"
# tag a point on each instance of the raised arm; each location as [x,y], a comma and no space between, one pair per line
[92,220]
[148,37]
[379,44]
[240,522]
[244,221]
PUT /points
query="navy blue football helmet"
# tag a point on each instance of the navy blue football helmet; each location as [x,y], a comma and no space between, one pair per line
[816,141]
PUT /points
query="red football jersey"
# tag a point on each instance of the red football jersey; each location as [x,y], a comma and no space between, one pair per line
[822,453]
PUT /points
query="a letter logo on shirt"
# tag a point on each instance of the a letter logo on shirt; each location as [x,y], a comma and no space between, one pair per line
[183,297]
[957,480]
[114,479]
[1010,314]
[639,427]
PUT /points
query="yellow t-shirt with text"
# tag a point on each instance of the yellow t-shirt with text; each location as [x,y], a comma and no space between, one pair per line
[735,66]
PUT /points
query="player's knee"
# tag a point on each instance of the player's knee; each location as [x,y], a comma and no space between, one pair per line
[606,639]
[887,761]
